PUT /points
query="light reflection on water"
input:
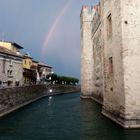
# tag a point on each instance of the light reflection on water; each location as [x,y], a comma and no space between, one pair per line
[50,100]
[63,117]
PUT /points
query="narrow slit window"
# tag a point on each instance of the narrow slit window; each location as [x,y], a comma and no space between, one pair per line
[110,65]
[109,26]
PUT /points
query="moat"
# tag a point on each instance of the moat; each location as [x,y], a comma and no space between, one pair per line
[62,117]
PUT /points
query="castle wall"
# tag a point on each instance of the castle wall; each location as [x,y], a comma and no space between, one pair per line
[114,98]
[131,59]
[98,70]
[110,57]
[86,53]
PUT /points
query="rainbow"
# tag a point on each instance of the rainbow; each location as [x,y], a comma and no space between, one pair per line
[54,26]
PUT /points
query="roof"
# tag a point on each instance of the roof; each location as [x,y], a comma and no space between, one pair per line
[35,61]
[44,65]
[27,56]
[8,52]
[14,44]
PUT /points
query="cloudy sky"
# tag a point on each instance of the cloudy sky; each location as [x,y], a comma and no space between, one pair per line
[48,29]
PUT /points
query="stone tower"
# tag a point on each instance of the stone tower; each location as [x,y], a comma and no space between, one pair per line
[86,52]
[121,25]
[110,59]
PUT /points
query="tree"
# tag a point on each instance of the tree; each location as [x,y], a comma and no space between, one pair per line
[57,79]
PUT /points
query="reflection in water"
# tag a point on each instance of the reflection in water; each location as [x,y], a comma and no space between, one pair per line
[63,117]
[50,100]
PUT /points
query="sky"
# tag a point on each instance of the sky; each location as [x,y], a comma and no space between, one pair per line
[49,30]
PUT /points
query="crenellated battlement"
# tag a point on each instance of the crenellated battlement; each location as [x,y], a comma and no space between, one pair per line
[96,20]
[87,12]
[85,8]
[91,14]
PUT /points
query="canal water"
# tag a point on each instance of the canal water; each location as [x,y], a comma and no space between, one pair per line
[63,117]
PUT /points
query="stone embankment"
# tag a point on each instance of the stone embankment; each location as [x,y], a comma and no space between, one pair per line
[61,89]
[14,98]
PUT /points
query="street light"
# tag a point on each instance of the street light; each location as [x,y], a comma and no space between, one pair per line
[50,90]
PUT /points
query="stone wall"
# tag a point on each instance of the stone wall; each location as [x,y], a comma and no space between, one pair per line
[59,89]
[114,96]
[98,49]
[130,14]
[86,52]
[14,98]
[122,104]
[110,69]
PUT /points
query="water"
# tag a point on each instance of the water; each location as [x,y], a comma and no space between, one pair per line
[63,117]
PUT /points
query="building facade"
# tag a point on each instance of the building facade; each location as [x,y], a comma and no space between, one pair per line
[110,54]
[17,68]
[35,73]
[12,46]
[10,68]
[44,70]
[27,71]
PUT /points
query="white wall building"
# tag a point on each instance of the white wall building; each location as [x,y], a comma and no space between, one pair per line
[10,68]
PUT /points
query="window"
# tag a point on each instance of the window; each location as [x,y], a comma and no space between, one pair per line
[110,65]
[24,61]
[109,26]
[10,63]
[8,72]
[4,64]
[30,63]
[11,72]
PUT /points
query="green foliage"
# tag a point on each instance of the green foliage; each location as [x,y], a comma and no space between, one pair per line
[57,79]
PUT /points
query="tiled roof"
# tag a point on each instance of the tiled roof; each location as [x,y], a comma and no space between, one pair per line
[35,61]
[8,52]
[27,56]
[45,65]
